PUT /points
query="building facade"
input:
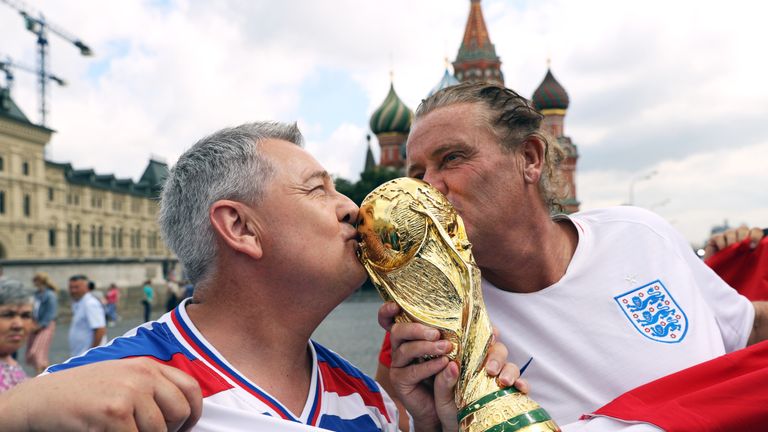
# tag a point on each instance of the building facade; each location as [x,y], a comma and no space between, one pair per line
[52,214]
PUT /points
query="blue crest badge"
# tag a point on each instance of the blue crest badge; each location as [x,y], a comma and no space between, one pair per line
[654,313]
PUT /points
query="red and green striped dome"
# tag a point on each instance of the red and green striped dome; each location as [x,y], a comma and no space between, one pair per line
[392,115]
[550,95]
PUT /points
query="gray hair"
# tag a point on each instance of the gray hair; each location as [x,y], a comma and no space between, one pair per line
[225,165]
[12,292]
[511,118]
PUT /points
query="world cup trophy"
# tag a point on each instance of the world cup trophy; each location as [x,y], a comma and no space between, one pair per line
[415,249]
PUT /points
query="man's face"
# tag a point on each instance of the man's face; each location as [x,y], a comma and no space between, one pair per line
[454,151]
[308,222]
[78,288]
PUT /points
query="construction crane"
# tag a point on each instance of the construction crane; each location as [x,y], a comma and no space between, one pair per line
[36,23]
[8,64]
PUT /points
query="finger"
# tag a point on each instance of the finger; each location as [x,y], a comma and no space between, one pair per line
[445,403]
[415,373]
[387,313]
[742,232]
[410,331]
[496,357]
[180,401]
[147,414]
[755,235]
[522,385]
[730,237]
[412,351]
[718,240]
[709,250]
[508,375]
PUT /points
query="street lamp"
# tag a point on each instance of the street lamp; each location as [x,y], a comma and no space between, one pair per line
[635,180]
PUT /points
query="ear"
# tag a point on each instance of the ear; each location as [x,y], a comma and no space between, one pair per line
[237,226]
[533,150]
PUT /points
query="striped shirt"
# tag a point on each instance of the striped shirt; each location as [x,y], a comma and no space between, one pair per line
[341,398]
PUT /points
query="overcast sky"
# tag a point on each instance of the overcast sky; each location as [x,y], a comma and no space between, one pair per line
[675,88]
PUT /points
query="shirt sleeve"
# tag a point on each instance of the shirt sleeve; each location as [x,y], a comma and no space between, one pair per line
[95,314]
[733,312]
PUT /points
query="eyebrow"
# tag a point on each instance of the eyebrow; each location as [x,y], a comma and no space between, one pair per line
[322,174]
[439,150]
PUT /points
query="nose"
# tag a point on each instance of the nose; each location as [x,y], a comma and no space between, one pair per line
[436,180]
[347,210]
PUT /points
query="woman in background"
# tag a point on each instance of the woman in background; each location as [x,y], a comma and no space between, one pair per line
[15,324]
[46,307]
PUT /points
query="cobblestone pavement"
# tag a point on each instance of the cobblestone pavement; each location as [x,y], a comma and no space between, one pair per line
[351,330]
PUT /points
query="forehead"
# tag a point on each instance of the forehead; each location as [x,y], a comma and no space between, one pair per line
[15,307]
[291,161]
[457,123]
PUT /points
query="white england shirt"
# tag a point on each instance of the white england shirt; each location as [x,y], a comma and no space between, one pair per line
[635,304]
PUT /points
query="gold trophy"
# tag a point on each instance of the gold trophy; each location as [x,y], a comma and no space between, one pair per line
[415,249]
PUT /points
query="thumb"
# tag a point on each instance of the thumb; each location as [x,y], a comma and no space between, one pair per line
[445,401]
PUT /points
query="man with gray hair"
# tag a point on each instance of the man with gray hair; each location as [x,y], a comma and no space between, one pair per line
[271,248]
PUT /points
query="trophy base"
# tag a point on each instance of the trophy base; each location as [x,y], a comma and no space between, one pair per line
[506,410]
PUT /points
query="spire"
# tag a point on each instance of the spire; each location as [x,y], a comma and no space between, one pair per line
[370,162]
[477,59]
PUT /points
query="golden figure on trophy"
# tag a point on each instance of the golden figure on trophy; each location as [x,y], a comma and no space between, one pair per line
[415,249]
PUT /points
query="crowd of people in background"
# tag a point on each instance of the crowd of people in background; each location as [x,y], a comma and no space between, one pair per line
[29,314]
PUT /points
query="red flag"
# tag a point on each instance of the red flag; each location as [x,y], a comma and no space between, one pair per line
[727,393]
[743,268]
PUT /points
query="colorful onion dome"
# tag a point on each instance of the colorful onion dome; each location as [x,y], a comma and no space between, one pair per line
[447,81]
[550,95]
[392,115]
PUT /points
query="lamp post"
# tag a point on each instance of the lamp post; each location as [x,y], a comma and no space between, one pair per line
[635,180]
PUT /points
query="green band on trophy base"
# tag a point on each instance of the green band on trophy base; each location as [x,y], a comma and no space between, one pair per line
[476,405]
[521,421]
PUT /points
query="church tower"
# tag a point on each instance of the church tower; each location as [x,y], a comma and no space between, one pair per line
[551,99]
[391,123]
[477,59]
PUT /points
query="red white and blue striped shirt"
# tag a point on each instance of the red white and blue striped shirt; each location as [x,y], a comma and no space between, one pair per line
[341,398]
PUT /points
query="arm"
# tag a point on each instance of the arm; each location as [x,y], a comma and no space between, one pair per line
[48,308]
[132,394]
[760,326]
[98,335]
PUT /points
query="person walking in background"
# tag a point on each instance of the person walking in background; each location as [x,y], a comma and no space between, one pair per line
[112,298]
[45,311]
[88,328]
[174,295]
[15,324]
[149,296]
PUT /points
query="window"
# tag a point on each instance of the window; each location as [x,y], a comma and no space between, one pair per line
[69,235]
[2,164]
[77,235]
[50,194]
[52,237]
[93,236]
[25,168]
[27,205]
[138,239]
[101,236]
[114,238]
[119,238]
[2,202]
[30,238]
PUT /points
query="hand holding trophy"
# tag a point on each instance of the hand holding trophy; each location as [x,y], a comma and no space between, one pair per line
[415,249]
